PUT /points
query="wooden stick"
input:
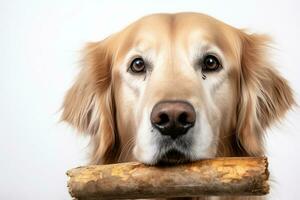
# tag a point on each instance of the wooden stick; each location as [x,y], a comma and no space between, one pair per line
[220,176]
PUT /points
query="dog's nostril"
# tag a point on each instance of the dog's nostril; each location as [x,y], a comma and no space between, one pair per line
[182,119]
[164,119]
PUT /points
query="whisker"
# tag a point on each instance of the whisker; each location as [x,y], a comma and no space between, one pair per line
[129,149]
[129,143]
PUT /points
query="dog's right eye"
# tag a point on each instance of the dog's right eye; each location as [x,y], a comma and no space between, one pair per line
[211,63]
[138,65]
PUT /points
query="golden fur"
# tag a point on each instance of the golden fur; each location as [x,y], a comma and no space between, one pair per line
[96,104]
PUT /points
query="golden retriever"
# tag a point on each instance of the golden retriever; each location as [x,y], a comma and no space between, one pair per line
[174,88]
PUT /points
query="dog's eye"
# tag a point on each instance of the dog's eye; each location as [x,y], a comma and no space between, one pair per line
[138,65]
[210,63]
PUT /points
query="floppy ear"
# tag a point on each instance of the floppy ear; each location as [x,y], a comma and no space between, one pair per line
[265,96]
[89,103]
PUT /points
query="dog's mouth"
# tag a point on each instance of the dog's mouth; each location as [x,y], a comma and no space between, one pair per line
[173,157]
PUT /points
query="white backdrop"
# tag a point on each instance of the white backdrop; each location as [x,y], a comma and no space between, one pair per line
[39,52]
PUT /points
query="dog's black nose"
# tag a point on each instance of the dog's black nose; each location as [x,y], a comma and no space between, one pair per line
[173,118]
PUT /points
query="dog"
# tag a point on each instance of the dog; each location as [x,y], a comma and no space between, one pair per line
[174,88]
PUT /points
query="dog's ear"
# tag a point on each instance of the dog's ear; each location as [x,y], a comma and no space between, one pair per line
[89,103]
[265,96]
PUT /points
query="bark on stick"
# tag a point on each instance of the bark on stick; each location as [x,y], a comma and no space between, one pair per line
[220,176]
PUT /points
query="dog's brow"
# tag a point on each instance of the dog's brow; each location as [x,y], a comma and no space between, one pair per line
[142,47]
[198,49]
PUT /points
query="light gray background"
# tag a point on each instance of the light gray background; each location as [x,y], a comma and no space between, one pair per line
[39,54]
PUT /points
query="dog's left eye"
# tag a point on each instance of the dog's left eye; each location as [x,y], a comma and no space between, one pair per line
[210,63]
[138,65]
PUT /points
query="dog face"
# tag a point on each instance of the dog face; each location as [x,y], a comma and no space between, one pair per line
[175,88]
[172,88]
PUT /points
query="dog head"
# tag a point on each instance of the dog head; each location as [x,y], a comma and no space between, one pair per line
[175,88]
